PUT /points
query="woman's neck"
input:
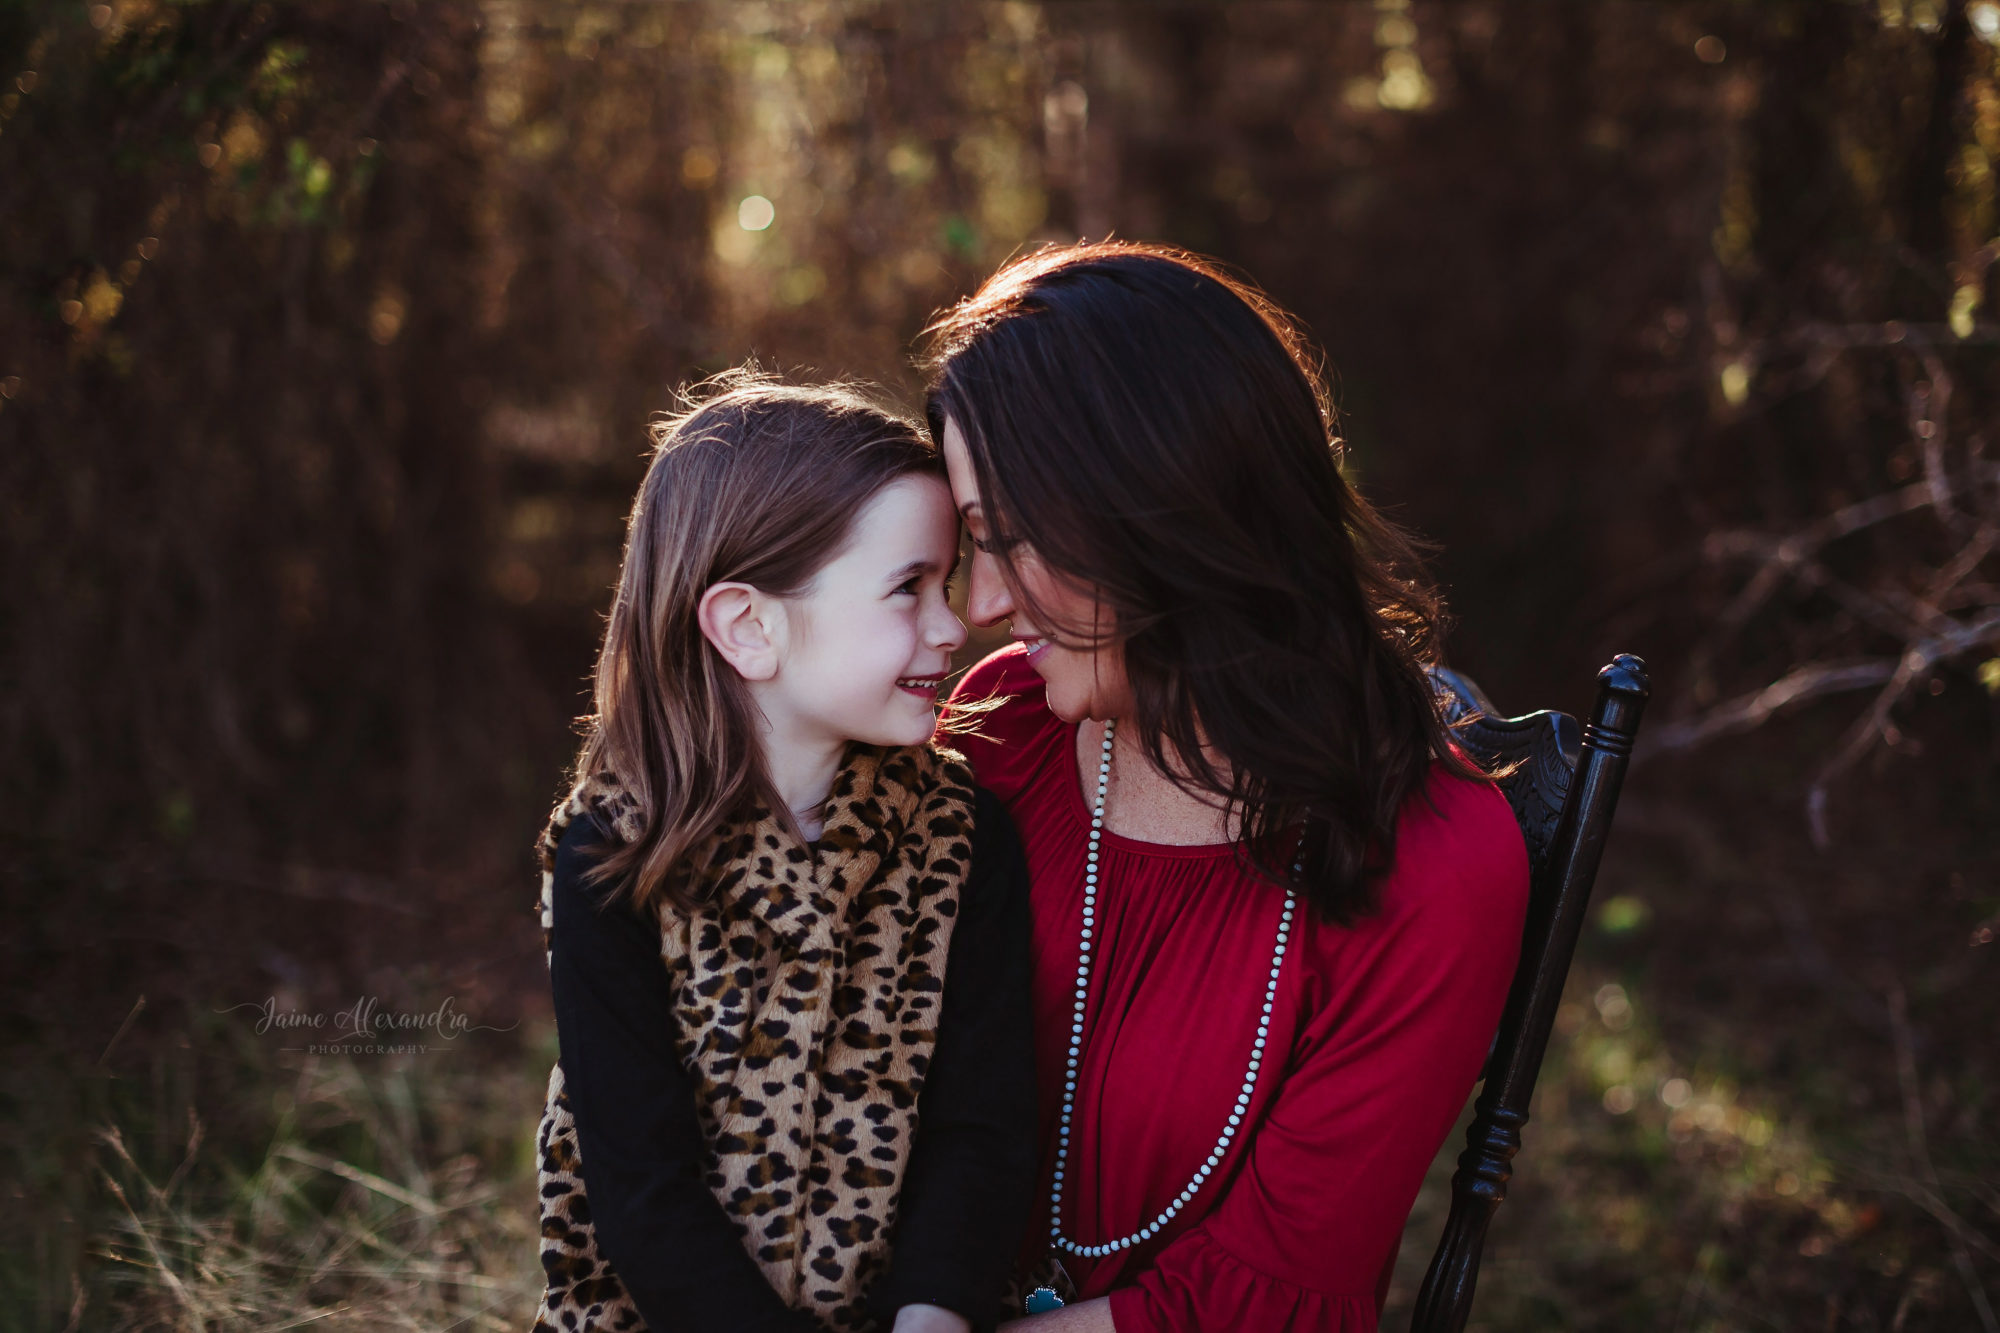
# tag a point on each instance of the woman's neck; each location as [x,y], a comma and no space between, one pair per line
[1143,803]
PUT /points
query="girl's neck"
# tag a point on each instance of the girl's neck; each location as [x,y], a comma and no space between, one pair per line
[801,773]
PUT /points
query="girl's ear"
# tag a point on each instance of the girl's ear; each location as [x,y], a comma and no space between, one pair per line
[741,622]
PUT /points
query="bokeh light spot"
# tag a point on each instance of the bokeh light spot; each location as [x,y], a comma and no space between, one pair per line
[699,165]
[1614,1007]
[1710,50]
[756,213]
[1735,383]
[386,315]
[1623,914]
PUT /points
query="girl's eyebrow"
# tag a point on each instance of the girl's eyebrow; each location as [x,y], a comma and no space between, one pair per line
[925,567]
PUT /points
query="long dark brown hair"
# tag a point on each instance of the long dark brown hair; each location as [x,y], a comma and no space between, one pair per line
[758,482]
[1156,430]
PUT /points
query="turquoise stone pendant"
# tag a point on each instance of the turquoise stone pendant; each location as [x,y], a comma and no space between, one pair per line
[1042,1300]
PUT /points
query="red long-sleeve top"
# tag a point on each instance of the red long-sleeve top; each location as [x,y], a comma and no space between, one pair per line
[1376,1040]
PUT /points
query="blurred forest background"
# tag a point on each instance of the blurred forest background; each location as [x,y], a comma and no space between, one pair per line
[328,333]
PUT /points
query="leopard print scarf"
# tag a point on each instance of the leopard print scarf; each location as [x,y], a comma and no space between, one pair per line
[808,993]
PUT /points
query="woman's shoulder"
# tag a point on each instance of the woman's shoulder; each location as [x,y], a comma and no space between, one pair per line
[1012,735]
[1459,855]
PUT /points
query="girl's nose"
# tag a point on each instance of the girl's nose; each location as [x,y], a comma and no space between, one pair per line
[947,631]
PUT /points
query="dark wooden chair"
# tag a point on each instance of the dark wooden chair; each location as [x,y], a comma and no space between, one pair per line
[1563,788]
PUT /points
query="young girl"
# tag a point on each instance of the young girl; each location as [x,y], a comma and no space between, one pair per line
[787,936]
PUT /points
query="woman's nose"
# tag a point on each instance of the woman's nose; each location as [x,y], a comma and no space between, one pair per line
[987,601]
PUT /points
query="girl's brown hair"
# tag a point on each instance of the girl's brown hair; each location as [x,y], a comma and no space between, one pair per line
[758,482]
[1156,430]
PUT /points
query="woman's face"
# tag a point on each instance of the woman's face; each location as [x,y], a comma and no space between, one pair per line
[1083,682]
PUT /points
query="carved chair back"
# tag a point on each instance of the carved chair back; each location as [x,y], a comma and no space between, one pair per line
[1563,786]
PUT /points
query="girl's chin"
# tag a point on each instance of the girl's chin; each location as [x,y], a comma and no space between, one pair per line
[912,728]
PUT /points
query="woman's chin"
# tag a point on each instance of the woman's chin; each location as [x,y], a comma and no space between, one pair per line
[1067,709]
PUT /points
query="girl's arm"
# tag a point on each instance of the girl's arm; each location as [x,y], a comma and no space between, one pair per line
[657,1223]
[966,1196]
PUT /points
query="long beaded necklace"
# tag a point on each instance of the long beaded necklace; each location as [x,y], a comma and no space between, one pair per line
[1236,1114]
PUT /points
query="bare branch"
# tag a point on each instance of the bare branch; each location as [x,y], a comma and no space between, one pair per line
[1930,401]
[1751,710]
[1918,658]
[1920,1153]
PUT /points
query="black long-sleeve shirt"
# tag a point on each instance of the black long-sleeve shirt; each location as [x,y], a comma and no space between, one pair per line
[966,1188]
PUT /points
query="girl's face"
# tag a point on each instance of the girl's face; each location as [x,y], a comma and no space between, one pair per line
[1083,682]
[867,646]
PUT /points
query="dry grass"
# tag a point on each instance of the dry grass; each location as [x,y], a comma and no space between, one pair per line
[388,1196]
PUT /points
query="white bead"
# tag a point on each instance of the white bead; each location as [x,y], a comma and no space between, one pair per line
[1214,1159]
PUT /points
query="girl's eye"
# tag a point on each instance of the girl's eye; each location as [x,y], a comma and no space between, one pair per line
[910,585]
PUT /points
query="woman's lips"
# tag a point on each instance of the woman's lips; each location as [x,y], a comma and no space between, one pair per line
[1035,647]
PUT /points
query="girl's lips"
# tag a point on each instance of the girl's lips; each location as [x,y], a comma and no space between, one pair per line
[924,687]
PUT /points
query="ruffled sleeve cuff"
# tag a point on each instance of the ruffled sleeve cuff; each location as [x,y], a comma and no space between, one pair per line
[1197,1285]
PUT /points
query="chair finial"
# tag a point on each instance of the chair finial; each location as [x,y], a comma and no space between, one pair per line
[1626,674]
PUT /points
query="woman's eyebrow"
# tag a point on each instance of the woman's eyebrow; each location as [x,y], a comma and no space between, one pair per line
[970,509]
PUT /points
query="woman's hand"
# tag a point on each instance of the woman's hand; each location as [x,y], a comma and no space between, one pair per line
[930,1319]
[1089,1317]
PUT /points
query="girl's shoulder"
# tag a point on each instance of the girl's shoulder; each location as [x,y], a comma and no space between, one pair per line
[581,844]
[1016,736]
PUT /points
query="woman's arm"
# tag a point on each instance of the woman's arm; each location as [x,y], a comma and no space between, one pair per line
[657,1224]
[967,1192]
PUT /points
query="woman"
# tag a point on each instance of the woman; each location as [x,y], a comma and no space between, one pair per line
[1269,895]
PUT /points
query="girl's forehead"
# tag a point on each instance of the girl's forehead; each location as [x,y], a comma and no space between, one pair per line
[911,513]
